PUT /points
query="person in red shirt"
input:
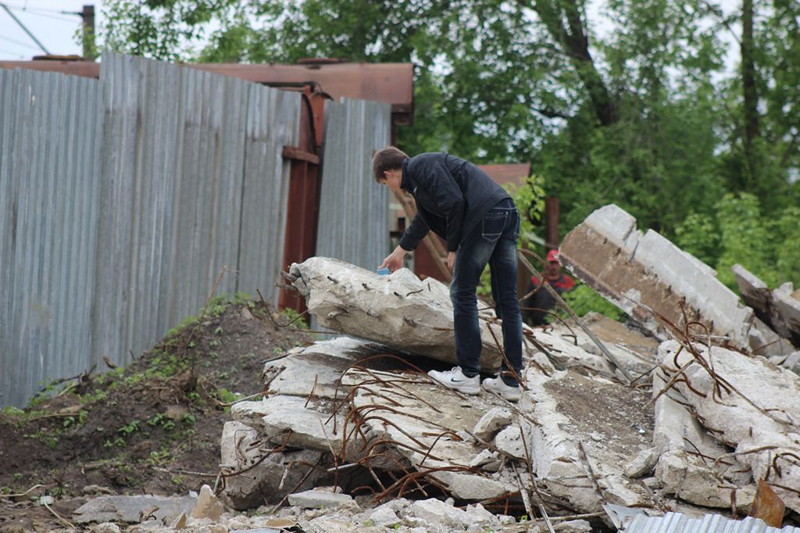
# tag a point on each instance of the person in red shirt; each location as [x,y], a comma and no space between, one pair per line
[535,308]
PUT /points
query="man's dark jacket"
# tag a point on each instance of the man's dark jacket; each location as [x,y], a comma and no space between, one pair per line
[452,197]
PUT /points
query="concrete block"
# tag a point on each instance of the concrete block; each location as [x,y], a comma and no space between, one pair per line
[648,277]
[265,480]
[752,405]
[585,431]
[316,369]
[279,417]
[425,420]
[509,441]
[778,313]
[400,310]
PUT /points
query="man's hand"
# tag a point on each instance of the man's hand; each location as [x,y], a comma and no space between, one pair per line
[451,261]
[394,260]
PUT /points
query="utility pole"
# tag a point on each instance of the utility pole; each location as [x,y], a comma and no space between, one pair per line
[87,14]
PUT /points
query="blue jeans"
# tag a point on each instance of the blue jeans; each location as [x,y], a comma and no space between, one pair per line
[493,242]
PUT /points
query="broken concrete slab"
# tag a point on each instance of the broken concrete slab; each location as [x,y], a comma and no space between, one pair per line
[633,350]
[789,308]
[133,509]
[754,292]
[314,424]
[582,432]
[776,310]
[315,370]
[651,279]
[425,421]
[691,464]
[748,403]
[409,314]
[294,421]
[765,341]
[255,473]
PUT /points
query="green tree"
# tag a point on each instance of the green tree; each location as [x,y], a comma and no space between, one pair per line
[737,232]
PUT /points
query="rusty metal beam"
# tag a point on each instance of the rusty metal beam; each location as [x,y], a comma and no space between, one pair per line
[298,154]
[391,83]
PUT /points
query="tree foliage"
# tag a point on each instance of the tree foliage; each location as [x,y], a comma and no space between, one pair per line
[738,233]
[683,114]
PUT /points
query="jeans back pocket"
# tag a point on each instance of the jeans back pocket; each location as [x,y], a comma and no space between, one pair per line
[493,225]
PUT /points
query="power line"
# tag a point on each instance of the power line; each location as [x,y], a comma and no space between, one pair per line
[25,28]
[14,53]
[26,45]
[39,9]
[45,12]
[54,17]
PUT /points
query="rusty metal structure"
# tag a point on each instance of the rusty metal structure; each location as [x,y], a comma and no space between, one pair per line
[304,187]
[391,83]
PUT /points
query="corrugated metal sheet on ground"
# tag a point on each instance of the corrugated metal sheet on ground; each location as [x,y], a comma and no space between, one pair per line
[711,523]
[354,211]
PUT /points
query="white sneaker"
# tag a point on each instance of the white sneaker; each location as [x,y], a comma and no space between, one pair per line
[456,380]
[498,386]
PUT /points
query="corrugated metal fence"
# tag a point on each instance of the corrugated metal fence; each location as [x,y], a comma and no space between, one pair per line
[50,131]
[125,201]
[354,205]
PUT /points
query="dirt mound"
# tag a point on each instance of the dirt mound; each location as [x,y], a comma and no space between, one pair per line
[152,427]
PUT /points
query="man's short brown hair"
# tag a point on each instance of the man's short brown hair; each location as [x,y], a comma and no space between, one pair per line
[389,158]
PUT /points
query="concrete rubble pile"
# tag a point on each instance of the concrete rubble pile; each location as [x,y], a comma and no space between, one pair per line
[702,422]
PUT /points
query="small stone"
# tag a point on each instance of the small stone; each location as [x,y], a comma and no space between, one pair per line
[319,498]
[207,506]
[180,522]
[384,516]
[493,421]
[642,464]
[106,527]
[510,442]
[90,490]
[487,460]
